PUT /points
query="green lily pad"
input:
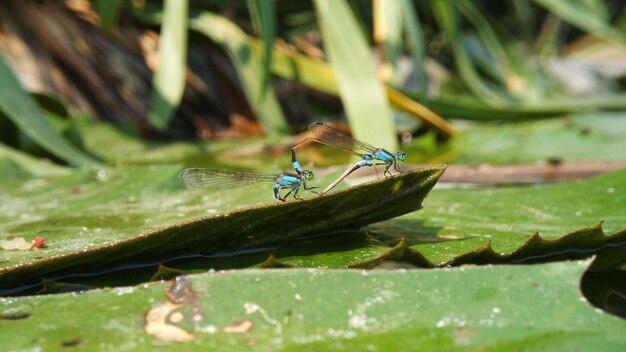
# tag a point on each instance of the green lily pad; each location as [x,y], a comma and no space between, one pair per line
[578,244]
[456,221]
[590,136]
[136,213]
[461,309]
[490,225]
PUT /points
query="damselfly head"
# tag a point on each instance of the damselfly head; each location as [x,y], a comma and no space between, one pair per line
[308,175]
[401,156]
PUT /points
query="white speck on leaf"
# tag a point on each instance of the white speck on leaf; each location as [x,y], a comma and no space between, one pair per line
[451,321]
[253,308]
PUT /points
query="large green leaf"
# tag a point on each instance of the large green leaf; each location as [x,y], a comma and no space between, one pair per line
[455,221]
[502,225]
[170,77]
[443,236]
[362,94]
[137,213]
[461,309]
[584,137]
[134,201]
[23,111]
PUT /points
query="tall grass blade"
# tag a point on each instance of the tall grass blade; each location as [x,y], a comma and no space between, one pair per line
[524,15]
[547,43]
[589,15]
[169,79]
[23,111]
[318,75]
[447,18]
[263,15]
[362,93]
[388,35]
[416,43]
[512,73]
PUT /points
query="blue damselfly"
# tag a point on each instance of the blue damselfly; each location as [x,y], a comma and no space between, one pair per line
[372,156]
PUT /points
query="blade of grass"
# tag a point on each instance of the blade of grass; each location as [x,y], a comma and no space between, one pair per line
[318,75]
[512,72]
[471,108]
[546,44]
[388,35]
[263,16]
[169,79]
[448,21]
[589,15]
[235,43]
[362,93]
[415,41]
[23,111]
[527,20]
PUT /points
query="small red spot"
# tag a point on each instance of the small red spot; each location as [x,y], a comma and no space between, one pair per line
[75,189]
[39,242]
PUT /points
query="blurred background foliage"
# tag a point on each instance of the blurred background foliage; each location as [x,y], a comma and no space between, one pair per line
[399,71]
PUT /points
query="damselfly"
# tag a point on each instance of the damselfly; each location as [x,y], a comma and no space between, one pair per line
[222,179]
[325,134]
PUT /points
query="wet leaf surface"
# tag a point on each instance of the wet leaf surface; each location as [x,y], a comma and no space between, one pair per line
[590,136]
[469,308]
[456,221]
[489,225]
[461,226]
[136,213]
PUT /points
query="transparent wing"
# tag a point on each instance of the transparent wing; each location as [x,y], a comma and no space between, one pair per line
[330,136]
[213,178]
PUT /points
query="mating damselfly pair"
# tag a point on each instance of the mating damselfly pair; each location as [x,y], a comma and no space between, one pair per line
[321,133]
